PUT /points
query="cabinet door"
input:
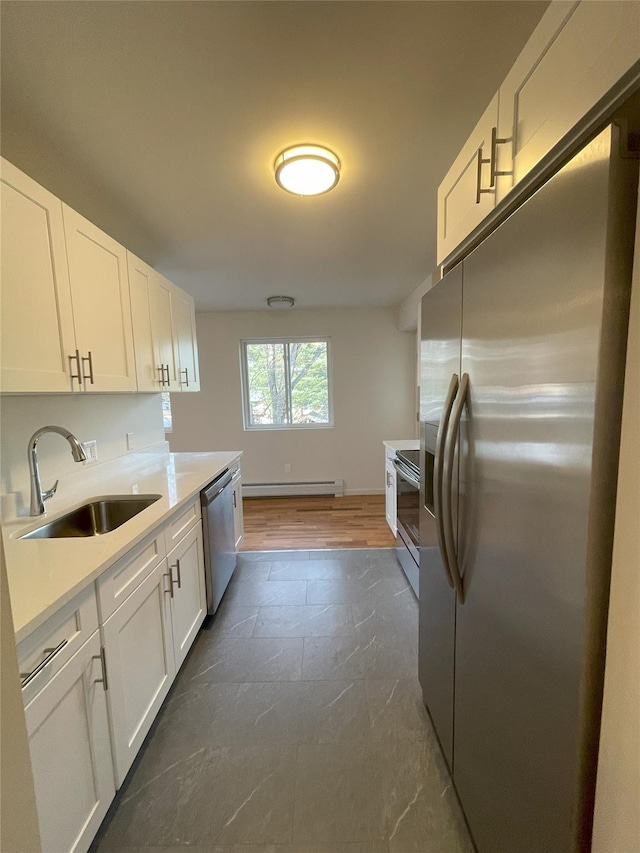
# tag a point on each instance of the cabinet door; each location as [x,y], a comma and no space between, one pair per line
[37,321]
[141,275]
[238,515]
[189,602]
[184,319]
[71,753]
[467,194]
[139,652]
[101,305]
[576,54]
[165,356]
[390,496]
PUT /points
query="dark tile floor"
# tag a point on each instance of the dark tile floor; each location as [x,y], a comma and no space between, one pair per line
[296,724]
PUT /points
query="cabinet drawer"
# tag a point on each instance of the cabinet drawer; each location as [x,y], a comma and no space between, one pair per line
[67,630]
[181,523]
[118,582]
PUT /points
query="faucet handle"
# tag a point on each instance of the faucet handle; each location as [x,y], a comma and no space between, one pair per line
[50,492]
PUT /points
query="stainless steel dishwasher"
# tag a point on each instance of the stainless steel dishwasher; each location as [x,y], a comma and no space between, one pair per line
[219,538]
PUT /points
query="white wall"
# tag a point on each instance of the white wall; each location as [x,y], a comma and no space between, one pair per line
[617,810]
[107,418]
[373,393]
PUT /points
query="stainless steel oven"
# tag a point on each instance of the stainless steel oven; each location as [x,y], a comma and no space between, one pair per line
[408,513]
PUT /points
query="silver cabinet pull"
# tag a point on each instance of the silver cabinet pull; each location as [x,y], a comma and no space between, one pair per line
[169,575]
[77,375]
[166,367]
[495,141]
[481,162]
[185,370]
[88,358]
[235,502]
[160,370]
[449,452]
[438,473]
[27,677]
[176,566]
[103,663]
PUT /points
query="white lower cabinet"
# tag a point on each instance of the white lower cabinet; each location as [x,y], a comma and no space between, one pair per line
[138,643]
[238,514]
[391,501]
[71,752]
[187,591]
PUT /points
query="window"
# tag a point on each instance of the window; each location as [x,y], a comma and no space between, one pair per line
[285,383]
[166,412]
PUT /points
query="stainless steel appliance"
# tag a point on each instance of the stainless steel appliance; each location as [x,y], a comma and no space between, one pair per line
[407,465]
[219,537]
[522,350]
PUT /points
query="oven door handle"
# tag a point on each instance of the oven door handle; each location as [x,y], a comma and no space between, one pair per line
[405,474]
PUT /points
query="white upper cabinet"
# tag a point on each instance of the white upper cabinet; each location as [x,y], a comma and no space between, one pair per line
[38,337]
[184,319]
[163,334]
[579,59]
[141,282]
[575,56]
[101,305]
[467,194]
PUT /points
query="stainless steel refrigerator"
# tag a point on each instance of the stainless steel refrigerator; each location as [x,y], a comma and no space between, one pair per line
[522,368]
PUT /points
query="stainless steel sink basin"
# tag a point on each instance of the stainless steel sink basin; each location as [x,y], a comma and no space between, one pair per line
[99,516]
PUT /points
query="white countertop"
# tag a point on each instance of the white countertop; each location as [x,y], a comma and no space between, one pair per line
[403,444]
[46,573]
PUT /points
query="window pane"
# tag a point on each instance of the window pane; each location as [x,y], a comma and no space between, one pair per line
[309,382]
[166,411]
[267,386]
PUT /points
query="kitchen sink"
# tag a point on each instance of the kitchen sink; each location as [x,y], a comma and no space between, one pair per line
[95,518]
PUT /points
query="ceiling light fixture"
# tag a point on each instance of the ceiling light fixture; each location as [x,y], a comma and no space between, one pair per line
[281,302]
[307,170]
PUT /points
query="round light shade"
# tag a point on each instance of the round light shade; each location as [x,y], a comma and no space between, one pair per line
[307,170]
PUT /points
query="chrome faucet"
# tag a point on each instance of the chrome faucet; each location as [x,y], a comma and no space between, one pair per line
[38,497]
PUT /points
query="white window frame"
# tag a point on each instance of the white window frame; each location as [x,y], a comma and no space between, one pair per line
[246,417]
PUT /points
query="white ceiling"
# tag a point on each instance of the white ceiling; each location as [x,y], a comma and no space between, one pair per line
[160,121]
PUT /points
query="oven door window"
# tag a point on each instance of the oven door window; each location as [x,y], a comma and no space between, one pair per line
[408,496]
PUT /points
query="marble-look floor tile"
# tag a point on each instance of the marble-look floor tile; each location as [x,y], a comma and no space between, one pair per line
[270,556]
[354,590]
[262,593]
[330,620]
[252,570]
[396,614]
[391,791]
[213,796]
[266,713]
[347,658]
[230,621]
[245,660]
[306,570]
[396,709]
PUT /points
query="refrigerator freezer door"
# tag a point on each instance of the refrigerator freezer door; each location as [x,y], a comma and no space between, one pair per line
[440,359]
[534,296]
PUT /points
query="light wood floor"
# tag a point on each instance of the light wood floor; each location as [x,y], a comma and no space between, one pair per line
[357,521]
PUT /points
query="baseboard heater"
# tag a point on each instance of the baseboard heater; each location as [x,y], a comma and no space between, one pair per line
[273,490]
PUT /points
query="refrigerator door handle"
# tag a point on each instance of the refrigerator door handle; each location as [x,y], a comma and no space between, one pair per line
[438,503]
[447,502]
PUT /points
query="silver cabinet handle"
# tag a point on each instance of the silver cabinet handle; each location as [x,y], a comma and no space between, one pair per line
[88,358]
[480,163]
[160,370]
[185,370]
[235,502]
[77,375]
[176,566]
[169,575]
[166,367]
[495,141]
[449,452]
[103,663]
[27,677]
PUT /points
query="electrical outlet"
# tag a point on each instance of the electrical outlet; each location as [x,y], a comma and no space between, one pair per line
[287,468]
[91,451]
[130,441]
